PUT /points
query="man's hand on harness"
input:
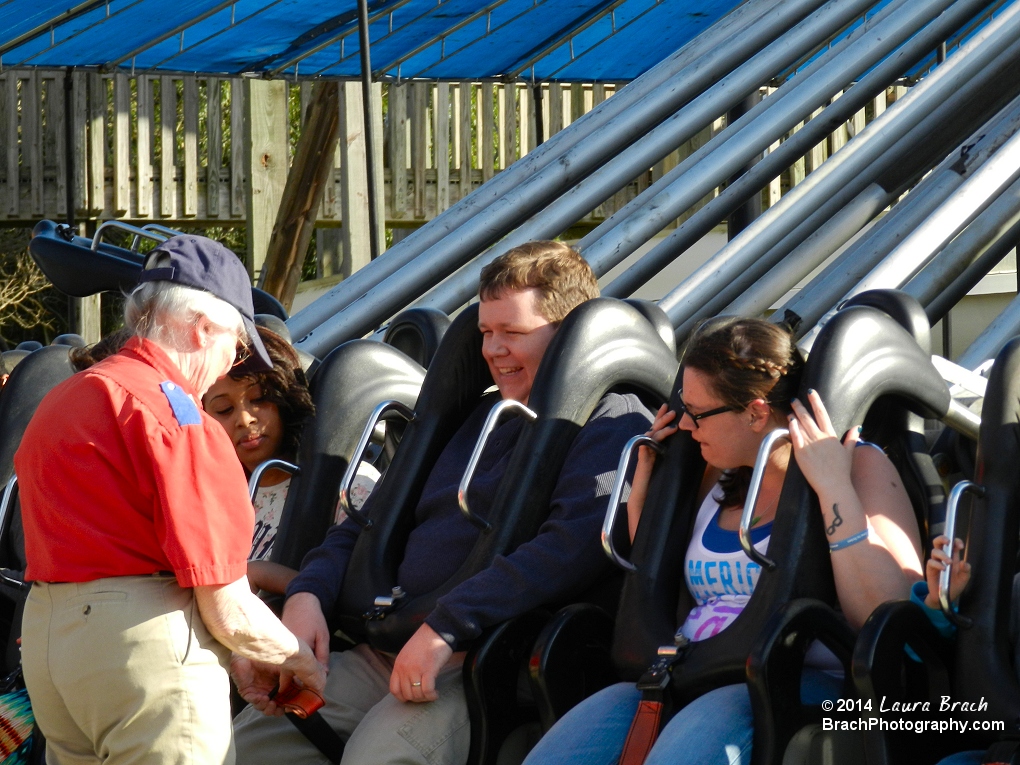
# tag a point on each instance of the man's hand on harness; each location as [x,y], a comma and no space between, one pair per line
[418,664]
[302,615]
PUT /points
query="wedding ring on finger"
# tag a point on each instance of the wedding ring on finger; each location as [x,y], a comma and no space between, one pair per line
[416,685]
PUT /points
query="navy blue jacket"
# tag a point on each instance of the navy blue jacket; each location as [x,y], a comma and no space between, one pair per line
[563,559]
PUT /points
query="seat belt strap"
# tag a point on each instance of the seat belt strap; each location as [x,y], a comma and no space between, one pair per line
[322,736]
[649,718]
[643,732]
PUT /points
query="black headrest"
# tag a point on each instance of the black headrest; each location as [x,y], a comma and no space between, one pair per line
[659,319]
[863,354]
[274,323]
[12,359]
[71,339]
[28,345]
[30,381]
[602,344]
[418,332]
[263,302]
[351,381]
[900,306]
[984,650]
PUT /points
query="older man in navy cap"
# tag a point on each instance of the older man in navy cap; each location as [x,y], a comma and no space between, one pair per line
[138,551]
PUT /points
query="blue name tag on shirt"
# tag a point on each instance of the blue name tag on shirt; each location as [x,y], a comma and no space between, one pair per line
[183,407]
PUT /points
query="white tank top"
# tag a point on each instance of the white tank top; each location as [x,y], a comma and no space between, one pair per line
[719,574]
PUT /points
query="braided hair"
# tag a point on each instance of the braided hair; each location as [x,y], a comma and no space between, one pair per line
[746,359]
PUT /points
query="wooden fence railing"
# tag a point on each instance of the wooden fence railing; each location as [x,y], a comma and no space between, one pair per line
[171,148]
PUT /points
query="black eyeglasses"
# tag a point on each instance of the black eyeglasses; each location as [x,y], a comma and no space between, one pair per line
[695,417]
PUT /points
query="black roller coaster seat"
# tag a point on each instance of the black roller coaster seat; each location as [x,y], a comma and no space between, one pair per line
[351,382]
[979,661]
[863,355]
[879,345]
[33,378]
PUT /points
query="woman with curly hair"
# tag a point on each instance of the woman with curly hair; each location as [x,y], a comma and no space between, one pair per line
[264,414]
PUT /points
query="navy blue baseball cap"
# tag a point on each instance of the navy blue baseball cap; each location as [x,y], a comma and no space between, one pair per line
[205,264]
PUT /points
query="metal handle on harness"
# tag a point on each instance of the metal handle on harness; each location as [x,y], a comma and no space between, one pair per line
[359,455]
[753,489]
[505,406]
[615,497]
[945,577]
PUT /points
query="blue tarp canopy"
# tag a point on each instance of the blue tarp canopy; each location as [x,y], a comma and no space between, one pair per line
[544,40]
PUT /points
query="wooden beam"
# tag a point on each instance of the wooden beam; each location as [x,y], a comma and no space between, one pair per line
[168,145]
[353,176]
[238,179]
[143,139]
[57,116]
[97,143]
[398,148]
[419,143]
[441,141]
[302,195]
[79,116]
[266,159]
[121,144]
[190,109]
[31,138]
[214,146]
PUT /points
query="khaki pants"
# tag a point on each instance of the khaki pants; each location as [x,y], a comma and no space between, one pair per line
[378,729]
[123,671]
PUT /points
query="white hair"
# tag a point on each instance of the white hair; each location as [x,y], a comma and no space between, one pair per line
[167,312]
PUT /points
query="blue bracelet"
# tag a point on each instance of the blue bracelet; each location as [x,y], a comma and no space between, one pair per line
[860,536]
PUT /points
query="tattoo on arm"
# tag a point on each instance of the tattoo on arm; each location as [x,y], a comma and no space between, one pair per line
[837,520]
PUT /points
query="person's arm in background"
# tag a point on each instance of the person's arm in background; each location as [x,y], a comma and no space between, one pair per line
[862,500]
[926,593]
[269,577]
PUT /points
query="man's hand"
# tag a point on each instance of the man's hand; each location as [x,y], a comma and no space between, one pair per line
[418,664]
[254,682]
[302,615]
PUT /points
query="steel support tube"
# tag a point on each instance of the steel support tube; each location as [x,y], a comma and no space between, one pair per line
[845,166]
[713,304]
[825,289]
[811,252]
[972,253]
[962,207]
[746,16]
[1003,328]
[683,191]
[727,158]
[499,218]
[974,273]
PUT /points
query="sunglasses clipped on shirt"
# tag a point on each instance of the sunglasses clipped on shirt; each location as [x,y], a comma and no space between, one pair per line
[241,355]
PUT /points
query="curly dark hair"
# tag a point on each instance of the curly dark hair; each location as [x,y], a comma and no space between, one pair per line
[746,359]
[83,358]
[284,385]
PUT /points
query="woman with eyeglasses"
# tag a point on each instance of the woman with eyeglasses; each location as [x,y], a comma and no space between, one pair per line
[739,377]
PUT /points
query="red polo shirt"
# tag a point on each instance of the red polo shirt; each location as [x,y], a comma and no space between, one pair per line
[121,473]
